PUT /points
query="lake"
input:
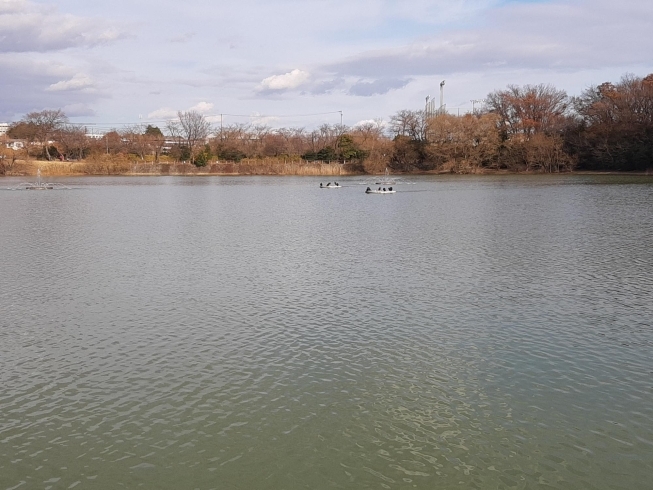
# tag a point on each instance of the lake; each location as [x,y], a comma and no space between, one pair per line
[491,332]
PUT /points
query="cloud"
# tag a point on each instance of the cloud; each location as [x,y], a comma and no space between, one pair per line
[77,110]
[377,87]
[11,6]
[24,86]
[78,82]
[213,119]
[184,38]
[290,80]
[379,123]
[360,63]
[326,86]
[26,26]
[168,113]
[551,36]
[202,107]
[260,120]
[163,113]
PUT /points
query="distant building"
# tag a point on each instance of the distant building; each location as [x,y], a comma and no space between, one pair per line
[94,136]
[4,127]
[15,144]
[169,142]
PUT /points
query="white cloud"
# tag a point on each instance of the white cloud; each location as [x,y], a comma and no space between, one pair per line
[168,113]
[555,36]
[11,6]
[78,82]
[183,38]
[77,110]
[25,82]
[213,119]
[379,123]
[202,107]
[377,87]
[163,113]
[326,86]
[28,26]
[260,120]
[290,80]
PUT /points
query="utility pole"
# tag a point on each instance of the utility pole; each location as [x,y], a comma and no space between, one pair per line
[474,102]
[221,138]
[340,120]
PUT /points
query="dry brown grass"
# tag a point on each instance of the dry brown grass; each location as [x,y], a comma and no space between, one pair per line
[126,165]
[258,167]
[96,166]
[55,168]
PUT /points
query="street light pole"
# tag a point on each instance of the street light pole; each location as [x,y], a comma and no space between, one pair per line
[441,96]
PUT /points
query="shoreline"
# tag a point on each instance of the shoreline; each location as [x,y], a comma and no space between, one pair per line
[23,168]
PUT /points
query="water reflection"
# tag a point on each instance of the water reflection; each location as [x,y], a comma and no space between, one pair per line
[259,333]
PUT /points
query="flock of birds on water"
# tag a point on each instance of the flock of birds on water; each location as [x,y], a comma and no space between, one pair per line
[369,190]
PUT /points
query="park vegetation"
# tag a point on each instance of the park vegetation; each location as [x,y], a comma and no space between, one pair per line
[537,128]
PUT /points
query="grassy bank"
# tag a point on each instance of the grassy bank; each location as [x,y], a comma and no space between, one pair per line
[124,166]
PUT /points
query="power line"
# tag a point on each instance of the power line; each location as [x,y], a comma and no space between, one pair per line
[253,116]
[277,115]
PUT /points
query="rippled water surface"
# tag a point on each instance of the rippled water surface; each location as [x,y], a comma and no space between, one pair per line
[252,333]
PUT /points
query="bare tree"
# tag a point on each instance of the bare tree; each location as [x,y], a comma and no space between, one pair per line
[45,124]
[463,143]
[629,102]
[328,135]
[409,123]
[530,109]
[137,140]
[295,140]
[72,141]
[113,142]
[615,130]
[369,131]
[274,144]
[7,159]
[192,129]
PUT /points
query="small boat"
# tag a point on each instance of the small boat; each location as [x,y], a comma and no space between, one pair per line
[335,185]
[380,191]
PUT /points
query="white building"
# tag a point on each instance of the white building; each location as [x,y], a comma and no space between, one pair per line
[4,127]
[15,145]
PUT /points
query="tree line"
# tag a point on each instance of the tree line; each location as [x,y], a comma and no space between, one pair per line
[537,128]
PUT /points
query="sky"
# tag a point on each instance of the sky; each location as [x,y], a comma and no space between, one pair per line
[302,63]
